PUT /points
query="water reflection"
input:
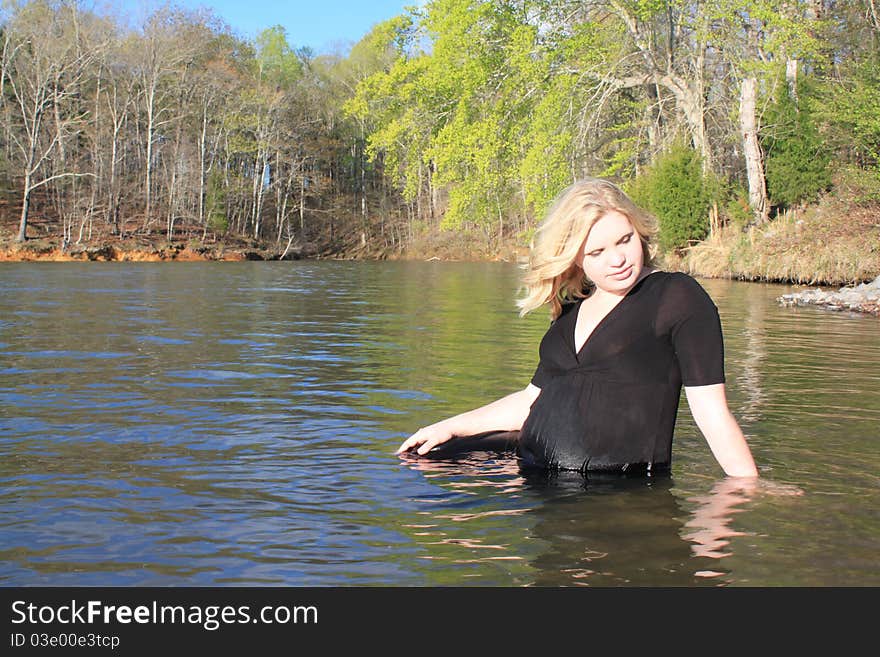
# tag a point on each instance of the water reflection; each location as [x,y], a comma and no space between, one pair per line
[602,530]
[608,533]
[749,377]
[709,528]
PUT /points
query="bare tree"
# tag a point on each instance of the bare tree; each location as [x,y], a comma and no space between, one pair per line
[117,96]
[672,56]
[873,12]
[161,54]
[43,67]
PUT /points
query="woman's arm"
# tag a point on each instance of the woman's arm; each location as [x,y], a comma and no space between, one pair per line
[710,523]
[505,414]
[708,405]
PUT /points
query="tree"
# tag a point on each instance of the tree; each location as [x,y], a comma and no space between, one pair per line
[762,41]
[217,78]
[159,56]
[43,67]
[797,159]
[754,158]
[676,190]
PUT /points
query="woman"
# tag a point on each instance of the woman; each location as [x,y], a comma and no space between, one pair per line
[624,339]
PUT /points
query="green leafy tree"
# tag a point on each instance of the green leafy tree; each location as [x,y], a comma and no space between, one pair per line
[850,104]
[397,105]
[278,63]
[485,49]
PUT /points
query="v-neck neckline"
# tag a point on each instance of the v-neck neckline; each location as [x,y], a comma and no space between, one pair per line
[572,338]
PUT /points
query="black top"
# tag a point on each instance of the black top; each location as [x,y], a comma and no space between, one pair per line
[612,405]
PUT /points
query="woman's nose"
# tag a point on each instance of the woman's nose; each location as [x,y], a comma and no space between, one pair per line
[616,257]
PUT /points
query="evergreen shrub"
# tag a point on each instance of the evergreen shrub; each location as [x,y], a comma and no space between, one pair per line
[736,209]
[215,204]
[796,160]
[675,190]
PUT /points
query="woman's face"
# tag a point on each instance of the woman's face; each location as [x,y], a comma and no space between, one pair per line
[612,256]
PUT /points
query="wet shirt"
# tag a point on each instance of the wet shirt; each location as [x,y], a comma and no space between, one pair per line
[612,405]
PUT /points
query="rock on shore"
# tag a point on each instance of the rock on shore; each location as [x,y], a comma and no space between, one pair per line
[864,298]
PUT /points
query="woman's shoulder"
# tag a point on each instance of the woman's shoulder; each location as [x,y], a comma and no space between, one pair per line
[676,280]
[672,277]
[682,288]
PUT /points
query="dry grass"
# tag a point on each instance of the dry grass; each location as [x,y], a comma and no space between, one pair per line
[831,243]
[462,246]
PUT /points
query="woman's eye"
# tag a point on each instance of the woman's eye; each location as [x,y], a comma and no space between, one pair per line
[625,239]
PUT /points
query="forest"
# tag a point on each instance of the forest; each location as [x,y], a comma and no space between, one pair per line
[456,120]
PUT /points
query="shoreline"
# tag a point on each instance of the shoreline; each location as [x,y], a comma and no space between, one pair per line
[42,250]
[863,298]
[785,252]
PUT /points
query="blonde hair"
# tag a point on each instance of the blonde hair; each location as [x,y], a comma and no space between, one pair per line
[552,275]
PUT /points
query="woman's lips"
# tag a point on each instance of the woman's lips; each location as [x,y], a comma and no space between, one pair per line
[623,275]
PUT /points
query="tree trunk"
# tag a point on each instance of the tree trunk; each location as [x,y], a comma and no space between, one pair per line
[172,199]
[653,117]
[113,206]
[261,165]
[148,182]
[690,101]
[874,14]
[791,73]
[419,194]
[25,208]
[302,198]
[202,173]
[748,122]
[363,174]
[435,192]
[279,193]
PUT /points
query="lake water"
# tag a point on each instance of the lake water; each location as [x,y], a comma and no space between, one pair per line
[234,424]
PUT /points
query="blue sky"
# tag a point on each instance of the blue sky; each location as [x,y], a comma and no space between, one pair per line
[323,25]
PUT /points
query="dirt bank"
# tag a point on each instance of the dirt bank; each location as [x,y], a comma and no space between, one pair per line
[141,249]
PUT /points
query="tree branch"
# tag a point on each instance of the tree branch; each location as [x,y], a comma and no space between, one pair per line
[59,175]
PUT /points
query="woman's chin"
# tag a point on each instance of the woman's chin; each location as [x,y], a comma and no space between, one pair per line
[621,285]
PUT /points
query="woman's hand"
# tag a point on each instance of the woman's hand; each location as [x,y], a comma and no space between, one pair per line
[426,438]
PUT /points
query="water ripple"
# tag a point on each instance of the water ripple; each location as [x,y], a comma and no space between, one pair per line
[228,425]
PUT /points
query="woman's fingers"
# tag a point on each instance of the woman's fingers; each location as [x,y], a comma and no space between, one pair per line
[427,446]
[431,443]
[422,442]
[417,438]
[409,443]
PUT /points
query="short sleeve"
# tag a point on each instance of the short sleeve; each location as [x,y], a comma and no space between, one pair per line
[697,337]
[539,378]
[550,348]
